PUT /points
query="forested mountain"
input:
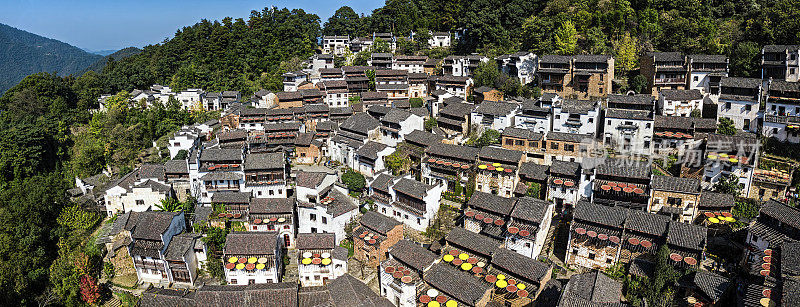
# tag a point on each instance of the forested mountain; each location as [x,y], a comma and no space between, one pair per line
[47,136]
[23,53]
[115,56]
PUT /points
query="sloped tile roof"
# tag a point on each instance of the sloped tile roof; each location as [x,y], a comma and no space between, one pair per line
[473,242]
[492,203]
[676,184]
[250,243]
[413,255]
[378,222]
[459,285]
[520,266]
[307,241]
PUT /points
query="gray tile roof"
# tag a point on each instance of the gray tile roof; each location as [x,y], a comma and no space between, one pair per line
[413,255]
[558,167]
[522,134]
[676,184]
[708,58]
[151,224]
[231,198]
[250,243]
[751,83]
[609,216]
[496,108]
[508,156]
[594,287]
[456,284]
[346,291]
[310,179]
[265,295]
[176,167]
[568,137]
[307,241]
[624,168]
[180,245]
[687,235]
[378,222]
[412,188]
[455,151]
[423,137]
[711,284]
[521,266]
[360,122]
[667,56]
[631,99]
[458,109]
[158,297]
[681,95]
[371,149]
[220,154]
[716,200]
[781,212]
[491,203]
[262,161]
[576,106]
[533,171]
[472,242]
[396,116]
[629,114]
[530,209]
[652,224]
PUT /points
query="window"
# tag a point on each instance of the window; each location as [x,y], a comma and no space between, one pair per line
[591,120]
[727,105]
[553,145]
[313,230]
[569,147]
[696,78]
[324,220]
[259,193]
[509,142]
[271,192]
[748,108]
[647,126]
[313,217]
[139,202]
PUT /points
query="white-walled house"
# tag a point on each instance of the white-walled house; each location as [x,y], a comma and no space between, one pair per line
[335,44]
[705,72]
[680,102]
[782,113]
[739,101]
[138,191]
[521,65]
[370,158]
[191,98]
[405,254]
[533,116]
[629,131]
[159,253]
[397,123]
[728,155]
[576,116]
[406,200]
[186,139]
[252,258]
[439,39]
[495,115]
[322,207]
[319,260]
[220,170]
[353,132]
[534,216]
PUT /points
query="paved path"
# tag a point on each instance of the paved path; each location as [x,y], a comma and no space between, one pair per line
[290,272]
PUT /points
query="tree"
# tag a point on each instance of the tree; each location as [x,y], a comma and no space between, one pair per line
[90,290]
[566,39]
[430,123]
[169,205]
[486,74]
[626,53]
[488,137]
[664,278]
[398,162]
[344,21]
[696,113]
[745,59]
[726,126]
[416,102]
[638,84]
[728,184]
[534,190]
[354,180]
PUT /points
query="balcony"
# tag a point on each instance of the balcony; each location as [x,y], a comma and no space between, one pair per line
[627,127]
[782,119]
[576,122]
[669,81]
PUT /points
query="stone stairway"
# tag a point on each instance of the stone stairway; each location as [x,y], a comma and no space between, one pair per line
[290,272]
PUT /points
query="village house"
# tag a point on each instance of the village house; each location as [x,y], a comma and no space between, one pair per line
[186,139]
[576,116]
[495,115]
[527,229]
[435,168]
[439,39]
[456,85]
[589,249]
[220,170]
[235,139]
[150,238]
[624,183]
[288,99]
[393,82]
[497,170]
[739,101]
[477,249]
[563,187]
[401,275]
[359,44]
[680,135]
[353,133]
[533,116]
[319,260]
[486,214]
[705,72]
[253,258]
[530,276]
[530,173]
[356,78]
[447,284]
[455,118]
[664,70]
[370,158]
[408,201]
[728,155]
[680,102]
[293,80]
[263,99]
[782,111]
[381,60]
[177,174]
[321,206]
[309,149]
[524,140]
[705,287]
[191,98]
[417,85]
[369,99]
[771,184]
[592,289]
[462,66]
[397,123]
[330,74]
[560,146]
[273,215]
[521,65]
[274,137]
[335,44]
[591,77]
[410,63]
[265,175]
[629,124]
[212,101]
[714,202]
[321,61]
[140,190]
[336,93]
[252,119]
[373,236]
[780,62]
[553,73]
[675,197]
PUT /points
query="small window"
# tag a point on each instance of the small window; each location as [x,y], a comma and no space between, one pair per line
[553,145]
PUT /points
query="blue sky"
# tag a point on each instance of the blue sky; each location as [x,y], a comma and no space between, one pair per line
[116,24]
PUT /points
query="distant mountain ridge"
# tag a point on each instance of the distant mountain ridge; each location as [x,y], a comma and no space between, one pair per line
[118,55]
[23,53]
